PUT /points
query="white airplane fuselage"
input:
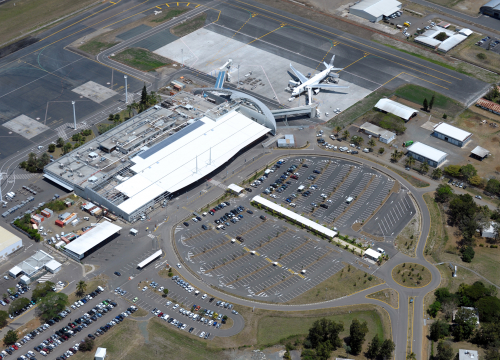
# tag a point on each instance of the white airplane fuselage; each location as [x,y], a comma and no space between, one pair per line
[316,79]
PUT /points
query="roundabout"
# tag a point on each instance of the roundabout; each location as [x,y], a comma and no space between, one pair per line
[411,275]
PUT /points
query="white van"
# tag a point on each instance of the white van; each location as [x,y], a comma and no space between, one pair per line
[196,292]
[301,187]
[86,218]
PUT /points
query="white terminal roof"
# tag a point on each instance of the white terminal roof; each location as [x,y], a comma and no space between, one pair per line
[378,8]
[187,156]
[427,151]
[92,238]
[235,188]
[291,215]
[395,108]
[7,238]
[452,131]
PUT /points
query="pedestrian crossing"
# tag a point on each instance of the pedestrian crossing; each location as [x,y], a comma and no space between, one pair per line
[151,236]
[46,277]
[21,176]
[62,130]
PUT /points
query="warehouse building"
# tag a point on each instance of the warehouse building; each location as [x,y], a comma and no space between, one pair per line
[375,10]
[395,108]
[92,239]
[143,162]
[451,134]
[383,135]
[34,265]
[491,8]
[9,243]
[427,154]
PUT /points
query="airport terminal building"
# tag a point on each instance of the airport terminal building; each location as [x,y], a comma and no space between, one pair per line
[141,163]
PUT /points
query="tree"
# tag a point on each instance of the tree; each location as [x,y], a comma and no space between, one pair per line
[467,254]
[130,109]
[465,324]
[437,173]
[443,193]
[493,94]
[386,349]
[67,148]
[52,147]
[60,142]
[395,156]
[424,168]
[425,105]
[346,134]
[493,186]
[86,345]
[372,143]
[17,305]
[4,315]
[439,330]
[117,119]
[434,308]
[10,338]
[324,336]
[492,354]
[373,347]
[52,304]
[144,96]
[337,129]
[453,170]
[468,171]
[81,286]
[441,36]
[488,308]
[411,356]
[357,333]
[357,140]
[462,207]
[410,161]
[381,150]
[165,292]
[41,290]
[444,351]
[476,180]
[431,103]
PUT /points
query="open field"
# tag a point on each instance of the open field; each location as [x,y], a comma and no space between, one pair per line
[470,7]
[189,26]
[438,237]
[417,94]
[468,51]
[141,59]
[20,16]
[411,275]
[347,281]
[389,296]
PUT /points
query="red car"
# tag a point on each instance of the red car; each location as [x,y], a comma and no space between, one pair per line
[160,314]
[15,347]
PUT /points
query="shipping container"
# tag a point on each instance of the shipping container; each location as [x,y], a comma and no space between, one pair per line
[59,223]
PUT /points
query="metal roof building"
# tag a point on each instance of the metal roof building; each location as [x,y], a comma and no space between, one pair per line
[78,248]
[479,152]
[288,141]
[427,41]
[451,42]
[395,108]
[491,8]
[312,225]
[426,153]
[451,134]
[31,265]
[383,135]
[9,242]
[375,10]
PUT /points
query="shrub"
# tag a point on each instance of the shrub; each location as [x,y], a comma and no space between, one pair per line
[481,56]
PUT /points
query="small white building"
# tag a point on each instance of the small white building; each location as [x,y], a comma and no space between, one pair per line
[451,134]
[100,354]
[288,141]
[383,135]
[375,10]
[53,266]
[490,232]
[235,188]
[9,243]
[467,354]
[372,254]
[427,154]
[395,108]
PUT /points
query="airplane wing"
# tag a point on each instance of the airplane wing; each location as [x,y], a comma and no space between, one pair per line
[327,86]
[297,73]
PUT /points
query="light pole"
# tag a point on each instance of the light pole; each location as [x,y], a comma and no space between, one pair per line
[238,85]
[182,57]
[74,113]
[126,90]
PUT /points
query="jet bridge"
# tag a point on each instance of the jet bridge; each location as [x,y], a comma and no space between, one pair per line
[296,111]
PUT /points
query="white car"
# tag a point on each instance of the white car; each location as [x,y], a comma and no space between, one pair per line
[161,288]
[179,265]
[202,334]
[183,327]
[204,297]
[144,288]
[169,303]
[176,306]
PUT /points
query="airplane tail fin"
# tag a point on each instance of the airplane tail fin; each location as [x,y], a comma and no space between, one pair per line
[326,65]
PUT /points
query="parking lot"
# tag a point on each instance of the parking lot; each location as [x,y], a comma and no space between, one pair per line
[272,260]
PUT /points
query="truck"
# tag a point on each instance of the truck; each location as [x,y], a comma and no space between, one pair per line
[301,187]
[407,143]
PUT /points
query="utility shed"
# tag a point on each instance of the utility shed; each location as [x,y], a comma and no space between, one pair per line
[395,108]
[451,134]
[479,153]
[427,154]
[375,10]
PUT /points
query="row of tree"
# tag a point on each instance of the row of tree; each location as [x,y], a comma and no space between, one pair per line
[468,173]
[324,337]
[35,164]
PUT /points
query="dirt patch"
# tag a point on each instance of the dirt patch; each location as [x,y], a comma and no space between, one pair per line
[407,240]
[189,26]
[389,296]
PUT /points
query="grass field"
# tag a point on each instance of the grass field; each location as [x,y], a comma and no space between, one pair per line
[438,236]
[92,284]
[141,59]
[389,296]
[189,26]
[20,16]
[139,313]
[417,182]
[347,281]
[407,240]
[417,94]
[169,14]
[411,275]
[94,47]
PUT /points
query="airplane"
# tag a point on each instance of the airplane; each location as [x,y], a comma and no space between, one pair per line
[308,85]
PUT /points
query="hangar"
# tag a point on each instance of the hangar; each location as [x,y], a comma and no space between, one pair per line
[375,10]
[140,164]
[426,153]
[451,134]
[395,108]
[491,8]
